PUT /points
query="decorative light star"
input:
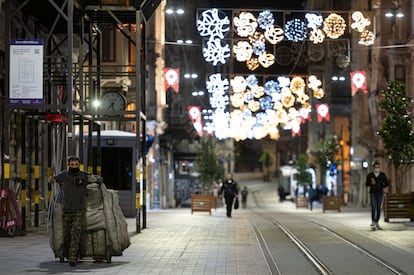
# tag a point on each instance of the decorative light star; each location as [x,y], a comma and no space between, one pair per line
[212,25]
[215,53]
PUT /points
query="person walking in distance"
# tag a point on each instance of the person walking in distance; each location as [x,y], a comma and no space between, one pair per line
[74,184]
[377,181]
[244,194]
[230,191]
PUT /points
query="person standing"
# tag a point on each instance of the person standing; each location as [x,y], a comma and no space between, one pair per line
[377,181]
[230,191]
[244,194]
[74,185]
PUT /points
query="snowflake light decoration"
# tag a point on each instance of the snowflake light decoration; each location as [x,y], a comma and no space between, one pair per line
[295,30]
[212,25]
[217,84]
[215,53]
[265,19]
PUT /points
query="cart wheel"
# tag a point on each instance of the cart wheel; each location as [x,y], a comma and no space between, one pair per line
[62,259]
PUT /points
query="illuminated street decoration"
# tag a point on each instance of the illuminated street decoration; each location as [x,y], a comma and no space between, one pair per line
[358,82]
[245,24]
[256,106]
[172,79]
[243,51]
[334,26]
[216,53]
[323,112]
[265,19]
[254,109]
[361,24]
[255,31]
[314,20]
[212,24]
[295,30]
[194,113]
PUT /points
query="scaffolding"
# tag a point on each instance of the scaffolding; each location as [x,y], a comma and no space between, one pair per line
[70,33]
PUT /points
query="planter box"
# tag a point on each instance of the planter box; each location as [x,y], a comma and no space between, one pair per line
[202,202]
[398,206]
[302,202]
[331,203]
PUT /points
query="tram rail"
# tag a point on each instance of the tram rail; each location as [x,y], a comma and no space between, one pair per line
[321,265]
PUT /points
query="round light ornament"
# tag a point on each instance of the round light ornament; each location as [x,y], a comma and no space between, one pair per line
[334,26]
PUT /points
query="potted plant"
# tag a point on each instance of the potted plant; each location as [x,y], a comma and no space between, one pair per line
[303,179]
[397,136]
[209,168]
[327,158]
[266,160]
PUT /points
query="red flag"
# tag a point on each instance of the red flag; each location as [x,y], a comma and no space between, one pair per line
[194,113]
[172,79]
[323,112]
[358,82]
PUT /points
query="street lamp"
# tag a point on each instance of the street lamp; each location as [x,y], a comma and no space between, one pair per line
[171,11]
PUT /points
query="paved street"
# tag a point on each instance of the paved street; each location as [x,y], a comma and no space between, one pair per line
[176,242]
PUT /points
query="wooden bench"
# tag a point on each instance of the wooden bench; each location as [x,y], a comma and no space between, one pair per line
[201,202]
[399,206]
[331,203]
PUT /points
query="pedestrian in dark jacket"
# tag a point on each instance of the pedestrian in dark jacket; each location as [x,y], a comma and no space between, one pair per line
[377,181]
[230,191]
[74,185]
[244,194]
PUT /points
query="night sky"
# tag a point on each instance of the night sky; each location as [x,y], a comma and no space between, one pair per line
[262,4]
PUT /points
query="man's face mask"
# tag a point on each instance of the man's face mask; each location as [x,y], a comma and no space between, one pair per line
[74,170]
[74,166]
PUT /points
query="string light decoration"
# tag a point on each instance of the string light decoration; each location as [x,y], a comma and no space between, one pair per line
[214,25]
[216,53]
[243,51]
[245,24]
[251,106]
[265,19]
[314,20]
[254,109]
[261,31]
[295,30]
[334,26]
[361,24]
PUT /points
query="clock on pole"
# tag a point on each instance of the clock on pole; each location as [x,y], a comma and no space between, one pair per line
[113,101]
